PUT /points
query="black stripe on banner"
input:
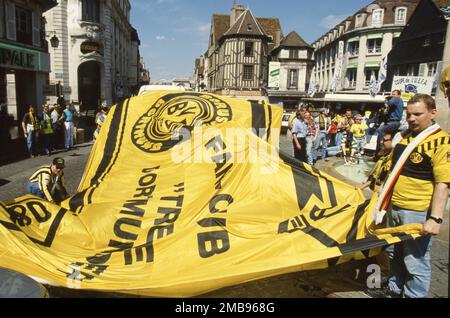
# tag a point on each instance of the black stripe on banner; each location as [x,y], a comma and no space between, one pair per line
[351,236]
[52,231]
[269,109]
[77,200]
[320,236]
[10,226]
[258,118]
[361,245]
[111,142]
[116,153]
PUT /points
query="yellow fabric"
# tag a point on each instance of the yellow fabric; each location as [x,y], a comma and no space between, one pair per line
[359,130]
[380,171]
[47,129]
[146,222]
[414,192]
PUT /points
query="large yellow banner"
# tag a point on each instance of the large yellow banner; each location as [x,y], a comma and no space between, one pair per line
[185,193]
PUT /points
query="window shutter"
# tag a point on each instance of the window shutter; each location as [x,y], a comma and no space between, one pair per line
[10,20]
[35,22]
[422,69]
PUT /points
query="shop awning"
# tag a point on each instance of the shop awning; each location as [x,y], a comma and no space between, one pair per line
[354,39]
[372,64]
[352,65]
[397,34]
[375,36]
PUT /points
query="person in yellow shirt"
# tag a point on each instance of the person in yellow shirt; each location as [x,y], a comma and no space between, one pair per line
[48,182]
[419,196]
[359,133]
[46,130]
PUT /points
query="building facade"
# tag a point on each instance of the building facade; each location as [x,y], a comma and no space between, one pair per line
[419,50]
[97,59]
[24,57]
[238,53]
[292,62]
[350,55]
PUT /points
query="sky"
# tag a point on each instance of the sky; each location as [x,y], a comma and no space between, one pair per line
[174,33]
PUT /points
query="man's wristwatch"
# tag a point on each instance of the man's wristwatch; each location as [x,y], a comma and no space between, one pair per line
[435,219]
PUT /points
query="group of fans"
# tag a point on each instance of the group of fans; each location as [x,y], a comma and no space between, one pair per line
[345,134]
[412,170]
[52,129]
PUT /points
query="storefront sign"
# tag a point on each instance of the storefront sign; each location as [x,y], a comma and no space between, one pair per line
[274,74]
[16,57]
[89,47]
[412,85]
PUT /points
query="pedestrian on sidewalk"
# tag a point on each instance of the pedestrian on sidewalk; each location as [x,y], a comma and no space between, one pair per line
[100,120]
[419,196]
[311,136]
[31,128]
[67,119]
[58,130]
[299,130]
[46,130]
[323,122]
[48,182]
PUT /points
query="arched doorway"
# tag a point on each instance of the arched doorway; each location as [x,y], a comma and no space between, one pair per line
[89,85]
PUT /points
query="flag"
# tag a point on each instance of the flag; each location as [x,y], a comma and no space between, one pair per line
[311,88]
[373,88]
[382,73]
[185,193]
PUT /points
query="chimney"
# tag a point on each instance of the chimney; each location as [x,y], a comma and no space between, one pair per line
[277,38]
[236,11]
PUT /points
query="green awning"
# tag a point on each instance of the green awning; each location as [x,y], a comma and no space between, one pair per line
[354,39]
[352,65]
[375,36]
[397,34]
[372,64]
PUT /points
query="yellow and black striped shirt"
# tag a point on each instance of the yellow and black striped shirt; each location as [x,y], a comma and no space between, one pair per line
[429,163]
[46,180]
[380,172]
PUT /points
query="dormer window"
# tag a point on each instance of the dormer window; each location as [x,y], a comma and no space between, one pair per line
[249,27]
[400,15]
[359,21]
[377,17]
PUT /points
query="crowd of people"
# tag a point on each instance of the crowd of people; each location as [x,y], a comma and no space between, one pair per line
[416,152]
[50,130]
[345,134]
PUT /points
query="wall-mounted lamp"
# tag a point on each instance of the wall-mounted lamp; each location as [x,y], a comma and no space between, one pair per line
[54,41]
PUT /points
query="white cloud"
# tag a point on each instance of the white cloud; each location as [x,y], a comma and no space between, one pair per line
[330,21]
[160,37]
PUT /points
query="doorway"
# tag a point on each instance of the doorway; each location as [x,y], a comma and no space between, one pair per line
[89,85]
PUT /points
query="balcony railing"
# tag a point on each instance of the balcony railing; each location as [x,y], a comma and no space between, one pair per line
[374,50]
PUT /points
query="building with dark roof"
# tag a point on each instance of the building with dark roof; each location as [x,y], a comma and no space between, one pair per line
[238,53]
[419,50]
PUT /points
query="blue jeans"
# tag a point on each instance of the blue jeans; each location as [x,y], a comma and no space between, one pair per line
[339,139]
[410,261]
[321,139]
[309,149]
[33,188]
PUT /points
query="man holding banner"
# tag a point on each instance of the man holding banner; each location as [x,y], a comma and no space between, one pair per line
[419,187]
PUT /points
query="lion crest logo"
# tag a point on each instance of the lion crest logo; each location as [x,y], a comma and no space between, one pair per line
[155,130]
[416,158]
